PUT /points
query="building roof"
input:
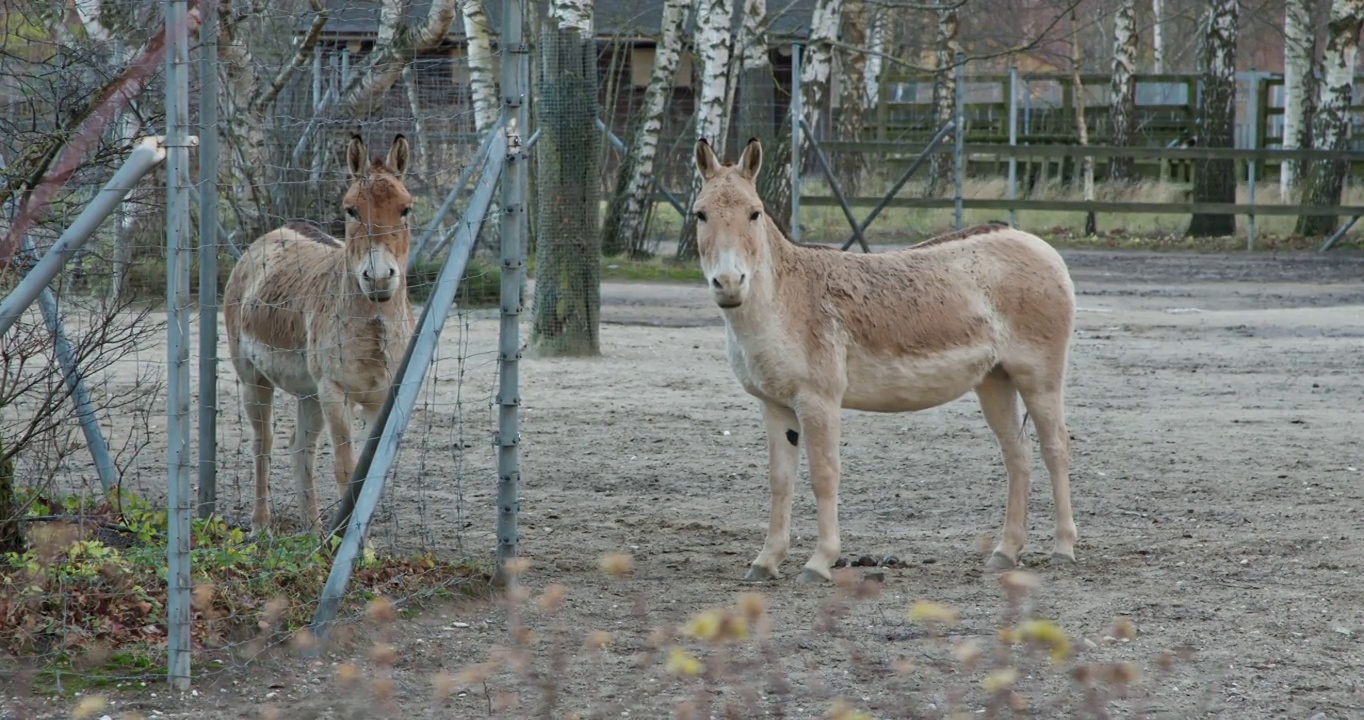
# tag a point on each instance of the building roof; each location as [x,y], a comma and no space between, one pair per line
[630,18]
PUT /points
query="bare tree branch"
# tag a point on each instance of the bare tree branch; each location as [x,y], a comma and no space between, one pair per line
[304,54]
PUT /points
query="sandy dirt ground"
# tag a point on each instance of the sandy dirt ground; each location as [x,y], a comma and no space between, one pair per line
[1215,408]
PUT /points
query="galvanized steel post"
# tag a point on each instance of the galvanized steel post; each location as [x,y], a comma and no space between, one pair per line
[797,112]
[178,501]
[1013,142]
[959,138]
[208,259]
[515,84]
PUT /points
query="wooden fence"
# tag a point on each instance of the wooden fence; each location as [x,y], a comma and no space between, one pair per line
[1165,114]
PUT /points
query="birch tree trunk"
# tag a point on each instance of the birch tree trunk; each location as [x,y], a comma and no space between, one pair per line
[849,166]
[397,45]
[876,46]
[483,88]
[1326,178]
[714,20]
[568,188]
[1298,50]
[482,68]
[1157,36]
[1215,180]
[1077,89]
[944,95]
[625,224]
[817,65]
[1124,88]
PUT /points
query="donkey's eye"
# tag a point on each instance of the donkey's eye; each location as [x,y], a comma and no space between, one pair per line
[700,216]
[756,214]
[352,213]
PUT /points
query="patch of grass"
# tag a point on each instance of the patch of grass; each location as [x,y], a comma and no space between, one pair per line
[479,288]
[656,269]
[87,600]
[1135,231]
[729,661]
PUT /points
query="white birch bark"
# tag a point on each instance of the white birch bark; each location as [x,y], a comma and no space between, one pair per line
[1215,180]
[385,67]
[1158,36]
[573,15]
[876,47]
[944,92]
[482,70]
[1122,94]
[817,64]
[1081,127]
[1299,46]
[713,44]
[644,145]
[849,167]
[1332,115]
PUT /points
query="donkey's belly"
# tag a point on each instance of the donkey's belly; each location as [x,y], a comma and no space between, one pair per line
[287,369]
[906,384]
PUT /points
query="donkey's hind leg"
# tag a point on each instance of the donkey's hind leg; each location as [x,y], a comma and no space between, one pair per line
[1045,400]
[999,403]
[258,397]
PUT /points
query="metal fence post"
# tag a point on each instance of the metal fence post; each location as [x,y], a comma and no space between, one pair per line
[381,447]
[515,178]
[178,501]
[797,111]
[208,260]
[959,138]
[1013,142]
[1252,141]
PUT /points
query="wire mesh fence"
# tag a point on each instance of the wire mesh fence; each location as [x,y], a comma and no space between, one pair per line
[84,588]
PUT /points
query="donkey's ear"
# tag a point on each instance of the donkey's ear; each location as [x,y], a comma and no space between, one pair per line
[398,156]
[751,160]
[357,157]
[706,162]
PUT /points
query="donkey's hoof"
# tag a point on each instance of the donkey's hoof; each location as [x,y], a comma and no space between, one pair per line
[1000,561]
[810,576]
[1061,558]
[759,573]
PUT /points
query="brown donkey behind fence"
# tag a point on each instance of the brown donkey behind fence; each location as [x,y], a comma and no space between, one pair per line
[811,332]
[325,321]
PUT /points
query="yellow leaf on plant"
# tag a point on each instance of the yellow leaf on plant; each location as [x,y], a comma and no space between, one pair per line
[999,680]
[929,611]
[1048,635]
[681,663]
[705,626]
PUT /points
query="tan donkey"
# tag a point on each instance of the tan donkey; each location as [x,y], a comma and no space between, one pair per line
[812,331]
[324,320]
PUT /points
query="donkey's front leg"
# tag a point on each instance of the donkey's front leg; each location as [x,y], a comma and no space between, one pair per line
[783,457]
[820,421]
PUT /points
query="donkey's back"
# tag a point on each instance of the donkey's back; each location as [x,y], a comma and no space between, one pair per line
[924,325]
[268,302]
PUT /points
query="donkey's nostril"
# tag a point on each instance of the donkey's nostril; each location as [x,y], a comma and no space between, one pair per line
[742,278]
[392,272]
[715,283]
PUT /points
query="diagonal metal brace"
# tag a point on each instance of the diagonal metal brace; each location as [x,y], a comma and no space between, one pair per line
[834,186]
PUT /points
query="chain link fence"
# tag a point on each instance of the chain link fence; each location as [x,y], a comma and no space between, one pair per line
[83,588]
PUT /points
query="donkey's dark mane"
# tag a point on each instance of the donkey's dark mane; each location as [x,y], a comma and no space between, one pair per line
[962,234]
[314,233]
